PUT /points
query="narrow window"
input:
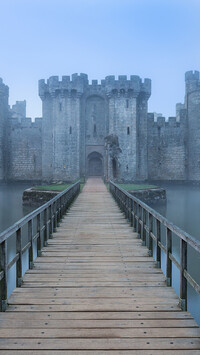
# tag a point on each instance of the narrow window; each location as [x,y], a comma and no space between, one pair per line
[127,103]
[95,129]
[128,130]
[60,106]
[70,130]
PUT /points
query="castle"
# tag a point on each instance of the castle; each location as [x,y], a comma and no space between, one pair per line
[100,129]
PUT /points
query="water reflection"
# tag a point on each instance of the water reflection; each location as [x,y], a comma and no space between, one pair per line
[11,208]
[183,209]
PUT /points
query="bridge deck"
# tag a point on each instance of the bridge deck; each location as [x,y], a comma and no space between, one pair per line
[95,290]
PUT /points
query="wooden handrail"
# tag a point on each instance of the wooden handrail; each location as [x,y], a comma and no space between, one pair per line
[52,212]
[137,211]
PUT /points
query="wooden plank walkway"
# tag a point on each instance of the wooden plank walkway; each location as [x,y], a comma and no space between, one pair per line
[95,290]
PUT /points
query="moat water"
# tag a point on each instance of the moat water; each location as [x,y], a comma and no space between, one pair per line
[182,208]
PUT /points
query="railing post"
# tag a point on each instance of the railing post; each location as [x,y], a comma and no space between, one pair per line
[158,239]
[168,260]
[51,221]
[4,281]
[139,219]
[19,261]
[183,281]
[30,239]
[55,216]
[144,225]
[134,216]
[39,240]
[150,240]
[45,228]
[131,212]
[60,209]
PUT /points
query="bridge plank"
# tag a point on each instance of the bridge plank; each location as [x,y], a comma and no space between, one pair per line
[96,343]
[95,290]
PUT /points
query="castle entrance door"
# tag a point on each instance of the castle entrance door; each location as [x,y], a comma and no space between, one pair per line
[95,164]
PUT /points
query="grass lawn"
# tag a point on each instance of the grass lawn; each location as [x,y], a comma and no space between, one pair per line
[131,187]
[55,187]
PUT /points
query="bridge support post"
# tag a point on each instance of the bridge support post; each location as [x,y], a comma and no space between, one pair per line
[150,240]
[19,261]
[183,281]
[46,235]
[158,239]
[143,227]
[168,260]
[39,241]
[4,275]
[30,239]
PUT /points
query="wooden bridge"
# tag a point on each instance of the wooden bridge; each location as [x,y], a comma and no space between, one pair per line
[96,290]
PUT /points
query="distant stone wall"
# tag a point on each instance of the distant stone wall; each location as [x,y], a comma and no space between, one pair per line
[167,148]
[25,150]
[4,92]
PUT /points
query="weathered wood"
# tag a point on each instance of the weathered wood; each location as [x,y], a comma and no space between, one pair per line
[95,290]
[168,260]
[4,270]
[86,324]
[102,344]
[158,238]
[71,332]
[101,352]
[30,238]
[150,240]
[183,281]
[19,259]
[95,315]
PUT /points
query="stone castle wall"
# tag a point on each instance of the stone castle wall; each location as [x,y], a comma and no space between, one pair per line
[103,126]
[4,93]
[192,103]
[25,149]
[77,117]
[167,148]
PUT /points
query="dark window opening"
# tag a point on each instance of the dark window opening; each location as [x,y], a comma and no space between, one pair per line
[127,103]
[95,129]
[60,106]
[70,130]
[128,130]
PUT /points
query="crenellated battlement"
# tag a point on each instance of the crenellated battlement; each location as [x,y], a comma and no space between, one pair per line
[24,122]
[76,85]
[133,86]
[67,85]
[171,122]
[192,81]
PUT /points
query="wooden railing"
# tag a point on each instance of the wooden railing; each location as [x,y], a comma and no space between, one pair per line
[37,227]
[148,224]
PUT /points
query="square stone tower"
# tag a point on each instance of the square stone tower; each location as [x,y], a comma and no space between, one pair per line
[94,129]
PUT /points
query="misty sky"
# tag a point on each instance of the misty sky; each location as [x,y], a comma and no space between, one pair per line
[157,39]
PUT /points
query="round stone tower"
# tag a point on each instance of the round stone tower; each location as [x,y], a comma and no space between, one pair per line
[4,92]
[192,103]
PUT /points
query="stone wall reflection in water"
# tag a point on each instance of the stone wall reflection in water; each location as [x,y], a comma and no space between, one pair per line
[183,209]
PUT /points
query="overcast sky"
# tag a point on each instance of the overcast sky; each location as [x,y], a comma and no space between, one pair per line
[156,39]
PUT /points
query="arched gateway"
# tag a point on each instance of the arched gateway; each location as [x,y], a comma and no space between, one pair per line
[95,164]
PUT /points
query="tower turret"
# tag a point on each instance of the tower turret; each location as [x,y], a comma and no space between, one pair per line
[192,103]
[4,92]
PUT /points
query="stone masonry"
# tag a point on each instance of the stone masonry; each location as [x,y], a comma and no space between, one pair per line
[101,129]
